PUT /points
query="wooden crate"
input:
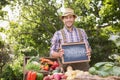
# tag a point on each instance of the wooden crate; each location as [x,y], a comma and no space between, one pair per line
[26,58]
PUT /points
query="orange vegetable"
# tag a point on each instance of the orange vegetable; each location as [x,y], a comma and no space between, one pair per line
[29,75]
[33,75]
[46,67]
[44,60]
[50,62]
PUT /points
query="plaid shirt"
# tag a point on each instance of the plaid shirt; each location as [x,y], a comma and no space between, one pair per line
[73,36]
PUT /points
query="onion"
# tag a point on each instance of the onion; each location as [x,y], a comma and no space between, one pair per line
[57,76]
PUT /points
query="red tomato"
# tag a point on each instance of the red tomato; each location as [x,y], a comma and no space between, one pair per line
[46,67]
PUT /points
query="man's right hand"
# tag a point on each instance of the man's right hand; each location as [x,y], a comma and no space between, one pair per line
[58,54]
[61,52]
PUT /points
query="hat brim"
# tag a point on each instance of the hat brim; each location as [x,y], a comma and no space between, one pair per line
[67,15]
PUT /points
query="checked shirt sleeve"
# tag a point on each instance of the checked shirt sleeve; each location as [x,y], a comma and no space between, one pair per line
[85,38]
[55,42]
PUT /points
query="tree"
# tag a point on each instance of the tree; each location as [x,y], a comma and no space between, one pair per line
[37,26]
[2,4]
[4,54]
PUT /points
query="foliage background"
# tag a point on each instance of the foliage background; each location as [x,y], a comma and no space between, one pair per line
[28,33]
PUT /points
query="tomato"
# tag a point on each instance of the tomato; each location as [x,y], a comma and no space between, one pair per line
[46,67]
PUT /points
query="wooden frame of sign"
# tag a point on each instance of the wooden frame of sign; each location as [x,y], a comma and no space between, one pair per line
[74,53]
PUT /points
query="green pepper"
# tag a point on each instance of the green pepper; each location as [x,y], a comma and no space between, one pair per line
[39,76]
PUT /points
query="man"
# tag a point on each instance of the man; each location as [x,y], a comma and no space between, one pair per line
[69,34]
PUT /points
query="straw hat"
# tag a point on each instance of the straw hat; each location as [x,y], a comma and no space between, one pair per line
[68,11]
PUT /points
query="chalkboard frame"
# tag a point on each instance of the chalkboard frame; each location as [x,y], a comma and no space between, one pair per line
[76,61]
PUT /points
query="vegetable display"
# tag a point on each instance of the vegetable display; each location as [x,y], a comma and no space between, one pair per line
[105,69]
[47,64]
[72,74]
[33,66]
[50,69]
[56,76]
[37,67]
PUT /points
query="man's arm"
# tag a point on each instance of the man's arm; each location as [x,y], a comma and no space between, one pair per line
[89,50]
[55,50]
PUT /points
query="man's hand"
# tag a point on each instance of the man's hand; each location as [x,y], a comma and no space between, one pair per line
[60,52]
[89,52]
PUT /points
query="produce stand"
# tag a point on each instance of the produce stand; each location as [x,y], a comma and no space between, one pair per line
[73,74]
[26,58]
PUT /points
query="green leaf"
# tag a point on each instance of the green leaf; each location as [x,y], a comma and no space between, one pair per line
[99,64]
[115,71]
[92,70]
[32,66]
[103,73]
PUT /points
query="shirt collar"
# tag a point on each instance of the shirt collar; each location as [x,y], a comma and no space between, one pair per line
[66,29]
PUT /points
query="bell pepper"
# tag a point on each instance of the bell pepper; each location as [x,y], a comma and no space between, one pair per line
[29,75]
[39,76]
[33,75]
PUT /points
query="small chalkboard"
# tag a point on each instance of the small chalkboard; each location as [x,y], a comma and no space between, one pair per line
[74,52]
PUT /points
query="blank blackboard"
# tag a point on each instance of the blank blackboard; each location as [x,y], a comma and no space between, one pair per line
[74,52]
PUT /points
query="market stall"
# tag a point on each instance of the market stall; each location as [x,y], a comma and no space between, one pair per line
[46,68]
[42,66]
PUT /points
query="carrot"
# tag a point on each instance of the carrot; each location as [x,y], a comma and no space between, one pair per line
[50,62]
[43,60]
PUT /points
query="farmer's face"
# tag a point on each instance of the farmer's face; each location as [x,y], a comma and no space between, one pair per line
[68,21]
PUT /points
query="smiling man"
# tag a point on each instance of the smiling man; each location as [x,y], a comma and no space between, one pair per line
[69,34]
